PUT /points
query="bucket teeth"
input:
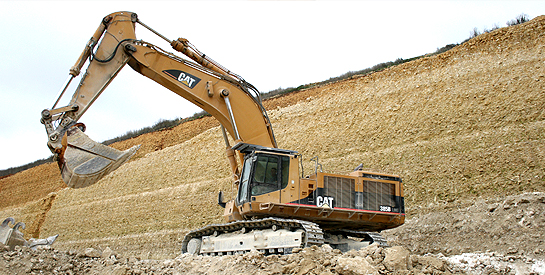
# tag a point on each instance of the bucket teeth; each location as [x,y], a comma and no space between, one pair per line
[19,224]
[6,222]
[84,161]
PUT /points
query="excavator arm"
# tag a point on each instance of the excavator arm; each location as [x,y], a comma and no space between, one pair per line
[226,96]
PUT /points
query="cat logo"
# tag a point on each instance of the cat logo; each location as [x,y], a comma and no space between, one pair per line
[325,202]
[187,79]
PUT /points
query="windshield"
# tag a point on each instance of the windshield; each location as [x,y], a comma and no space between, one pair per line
[244,181]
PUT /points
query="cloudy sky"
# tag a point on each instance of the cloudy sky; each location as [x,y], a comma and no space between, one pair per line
[271,44]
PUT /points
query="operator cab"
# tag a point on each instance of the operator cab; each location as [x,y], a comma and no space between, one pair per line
[265,170]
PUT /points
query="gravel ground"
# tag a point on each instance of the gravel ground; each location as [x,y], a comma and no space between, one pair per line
[312,260]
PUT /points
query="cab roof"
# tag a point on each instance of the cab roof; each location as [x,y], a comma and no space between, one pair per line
[250,148]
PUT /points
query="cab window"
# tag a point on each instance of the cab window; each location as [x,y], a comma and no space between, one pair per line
[265,178]
[244,181]
[285,171]
[271,174]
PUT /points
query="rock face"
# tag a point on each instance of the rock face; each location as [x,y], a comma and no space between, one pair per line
[464,129]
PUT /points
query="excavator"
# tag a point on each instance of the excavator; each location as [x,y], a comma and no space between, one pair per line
[277,208]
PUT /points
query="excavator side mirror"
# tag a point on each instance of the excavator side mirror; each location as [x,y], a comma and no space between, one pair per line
[221,202]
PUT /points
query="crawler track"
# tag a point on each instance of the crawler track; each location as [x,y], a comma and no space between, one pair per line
[312,234]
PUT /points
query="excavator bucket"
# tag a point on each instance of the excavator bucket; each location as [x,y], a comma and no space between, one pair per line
[84,161]
[12,237]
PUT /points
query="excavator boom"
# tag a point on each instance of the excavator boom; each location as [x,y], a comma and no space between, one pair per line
[223,94]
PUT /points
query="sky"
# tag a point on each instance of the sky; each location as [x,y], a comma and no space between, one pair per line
[271,44]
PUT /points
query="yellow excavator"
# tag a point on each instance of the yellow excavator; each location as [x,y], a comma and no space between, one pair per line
[277,208]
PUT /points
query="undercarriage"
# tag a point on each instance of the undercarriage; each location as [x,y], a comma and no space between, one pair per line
[271,236]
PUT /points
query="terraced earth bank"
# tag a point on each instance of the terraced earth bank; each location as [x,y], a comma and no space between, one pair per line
[465,130]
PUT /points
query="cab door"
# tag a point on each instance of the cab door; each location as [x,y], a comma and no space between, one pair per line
[263,176]
[266,175]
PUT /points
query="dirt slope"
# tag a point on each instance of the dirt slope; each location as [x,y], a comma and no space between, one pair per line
[462,126]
